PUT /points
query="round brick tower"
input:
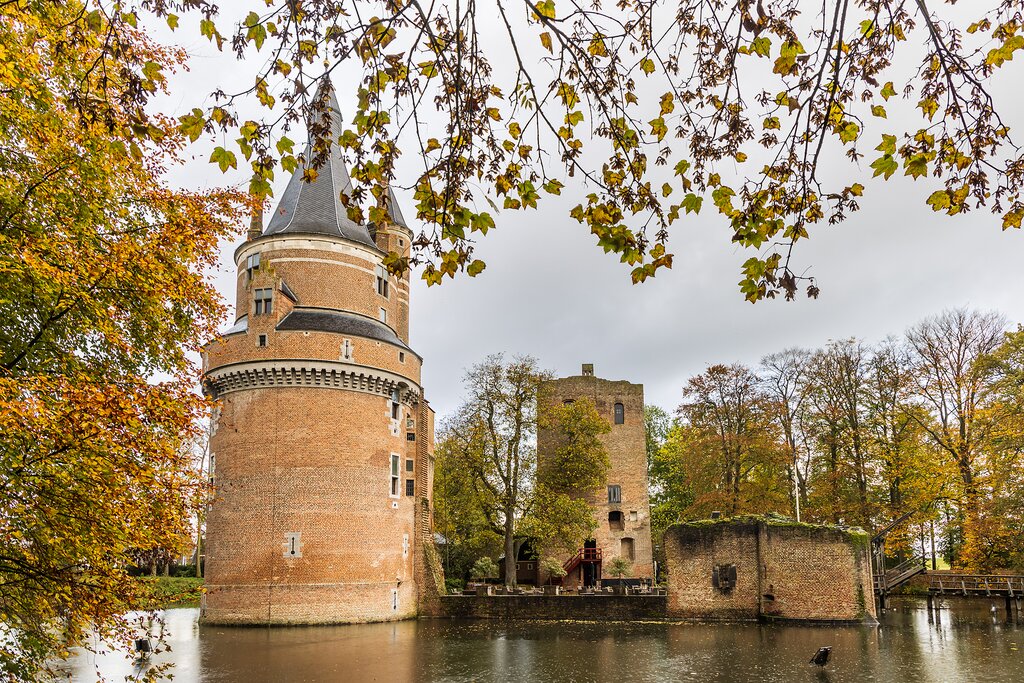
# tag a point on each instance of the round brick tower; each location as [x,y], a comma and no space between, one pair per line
[321,446]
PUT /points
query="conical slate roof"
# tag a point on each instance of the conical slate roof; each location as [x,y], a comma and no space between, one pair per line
[315,207]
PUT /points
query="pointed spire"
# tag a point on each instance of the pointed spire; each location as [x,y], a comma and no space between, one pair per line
[394,210]
[315,207]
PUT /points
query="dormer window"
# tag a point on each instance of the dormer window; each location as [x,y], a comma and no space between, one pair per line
[382,281]
[264,301]
[252,263]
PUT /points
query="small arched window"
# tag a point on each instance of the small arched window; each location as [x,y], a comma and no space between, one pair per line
[620,414]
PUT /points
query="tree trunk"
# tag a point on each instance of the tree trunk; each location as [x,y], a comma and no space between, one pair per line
[510,552]
[971,557]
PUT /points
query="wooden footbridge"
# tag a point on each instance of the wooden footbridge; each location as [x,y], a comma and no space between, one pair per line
[1010,587]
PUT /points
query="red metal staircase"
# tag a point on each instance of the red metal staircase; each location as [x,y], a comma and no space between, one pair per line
[584,555]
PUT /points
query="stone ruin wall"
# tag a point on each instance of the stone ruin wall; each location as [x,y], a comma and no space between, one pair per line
[783,571]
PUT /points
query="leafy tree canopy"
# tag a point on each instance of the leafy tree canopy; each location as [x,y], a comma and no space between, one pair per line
[102,289]
[661,110]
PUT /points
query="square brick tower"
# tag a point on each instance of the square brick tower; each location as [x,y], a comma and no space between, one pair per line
[620,505]
[322,442]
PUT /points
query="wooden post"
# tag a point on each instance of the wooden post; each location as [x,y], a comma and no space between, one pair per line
[932,526]
[931,602]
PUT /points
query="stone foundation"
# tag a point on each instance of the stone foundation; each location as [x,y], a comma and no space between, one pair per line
[555,607]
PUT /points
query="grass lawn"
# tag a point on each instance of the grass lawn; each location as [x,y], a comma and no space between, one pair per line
[173,591]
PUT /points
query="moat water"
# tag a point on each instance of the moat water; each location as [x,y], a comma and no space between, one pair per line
[962,641]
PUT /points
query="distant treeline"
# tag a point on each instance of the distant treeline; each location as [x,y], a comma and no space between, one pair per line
[857,433]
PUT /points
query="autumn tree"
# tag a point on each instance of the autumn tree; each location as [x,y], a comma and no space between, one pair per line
[488,448]
[458,516]
[649,112]
[1004,546]
[955,385]
[492,437]
[784,375]
[103,299]
[730,443]
[838,375]
[657,422]
[574,466]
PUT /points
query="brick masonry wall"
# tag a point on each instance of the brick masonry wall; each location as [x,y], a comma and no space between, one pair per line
[783,571]
[555,607]
[316,461]
[243,347]
[817,574]
[627,453]
[692,553]
[323,272]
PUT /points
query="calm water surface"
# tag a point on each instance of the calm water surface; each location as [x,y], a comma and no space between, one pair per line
[962,641]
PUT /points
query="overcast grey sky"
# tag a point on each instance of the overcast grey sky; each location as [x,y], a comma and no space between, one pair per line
[550,292]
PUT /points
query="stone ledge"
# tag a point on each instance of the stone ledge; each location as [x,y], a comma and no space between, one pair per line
[555,607]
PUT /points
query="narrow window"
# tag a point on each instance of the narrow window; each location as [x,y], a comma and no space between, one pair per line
[395,406]
[394,599]
[633,516]
[264,301]
[395,478]
[626,549]
[263,340]
[409,465]
[252,263]
[410,436]
[382,281]
[614,493]
[401,242]
[620,414]
[383,315]
[410,487]
[346,350]
[401,356]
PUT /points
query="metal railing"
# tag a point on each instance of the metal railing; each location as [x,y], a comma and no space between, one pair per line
[977,584]
[584,555]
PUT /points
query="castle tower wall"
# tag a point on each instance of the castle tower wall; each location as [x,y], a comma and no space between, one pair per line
[627,454]
[309,523]
[322,442]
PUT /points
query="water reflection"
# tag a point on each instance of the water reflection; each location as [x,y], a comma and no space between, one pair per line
[962,641]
